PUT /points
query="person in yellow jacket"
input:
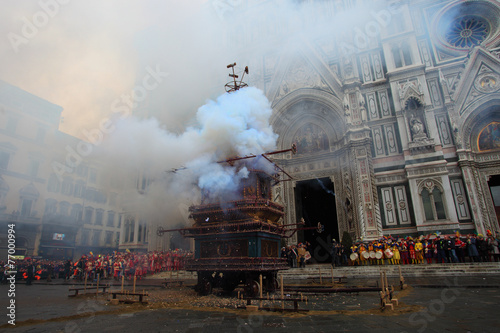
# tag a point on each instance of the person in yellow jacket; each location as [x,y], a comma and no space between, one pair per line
[419,252]
[396,257]
[361,250]
[354,254]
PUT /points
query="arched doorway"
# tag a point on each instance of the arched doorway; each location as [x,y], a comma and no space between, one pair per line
[494,185]
[315,203]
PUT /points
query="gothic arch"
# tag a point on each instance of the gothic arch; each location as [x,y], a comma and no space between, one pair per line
[433,199]
[308,106]
[481,114]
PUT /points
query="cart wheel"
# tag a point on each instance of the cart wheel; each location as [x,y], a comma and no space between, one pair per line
[205,288]
[252,288]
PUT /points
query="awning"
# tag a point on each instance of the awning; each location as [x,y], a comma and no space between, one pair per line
[58,246]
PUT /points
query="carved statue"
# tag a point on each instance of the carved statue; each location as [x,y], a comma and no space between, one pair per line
[416,126]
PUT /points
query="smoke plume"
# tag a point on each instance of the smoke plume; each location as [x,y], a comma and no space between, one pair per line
[235,124]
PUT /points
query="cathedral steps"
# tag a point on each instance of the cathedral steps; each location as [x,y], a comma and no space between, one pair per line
[313,271]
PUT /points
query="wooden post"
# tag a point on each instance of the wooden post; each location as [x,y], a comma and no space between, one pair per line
[133,290]
[85,285]
[333,281]
[282,294]
[401,279]
[123,281]
[386,282]
[381,281]
[260,282]
[97,289]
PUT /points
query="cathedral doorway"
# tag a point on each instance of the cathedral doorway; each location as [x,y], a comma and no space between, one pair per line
[315,202]
[494,184]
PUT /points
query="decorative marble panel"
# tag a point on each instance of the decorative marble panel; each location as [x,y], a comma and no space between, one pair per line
[378,70]
[372,106]
[402,205]
[459,195]
[384,103]
[366,68]
[378,141]
[435,93]
[388,206]
[444,129]
[424,53]
[390,134]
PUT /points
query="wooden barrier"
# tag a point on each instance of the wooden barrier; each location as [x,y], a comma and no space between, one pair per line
[167,282]
[140,295]
[85,288]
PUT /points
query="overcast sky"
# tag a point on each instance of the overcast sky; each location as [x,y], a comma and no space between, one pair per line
[83,55]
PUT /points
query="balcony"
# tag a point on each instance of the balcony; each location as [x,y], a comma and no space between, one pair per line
[16,217]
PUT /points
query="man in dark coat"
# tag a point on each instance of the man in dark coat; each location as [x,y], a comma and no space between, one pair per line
[335,254]
[482,246]
[30,270]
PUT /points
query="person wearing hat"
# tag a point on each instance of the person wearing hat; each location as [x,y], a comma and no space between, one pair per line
[451,248]
[440,246]
[396,256]
[419,247]
[493,248]
[403,250]
[460,248]
[354,250]
[335,254]
[482,247]
[472,248]
[362,249]
[428,250]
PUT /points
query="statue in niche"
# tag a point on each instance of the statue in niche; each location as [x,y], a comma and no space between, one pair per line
[311,138]
[417,128]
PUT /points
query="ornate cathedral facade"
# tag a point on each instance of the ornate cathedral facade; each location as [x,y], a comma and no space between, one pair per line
[400,118]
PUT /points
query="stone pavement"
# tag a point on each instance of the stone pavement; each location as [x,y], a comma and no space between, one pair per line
[430,304]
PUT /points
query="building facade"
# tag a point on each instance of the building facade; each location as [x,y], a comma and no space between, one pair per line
[55,215]
[396,135]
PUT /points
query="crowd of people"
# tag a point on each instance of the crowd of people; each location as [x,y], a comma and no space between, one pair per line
[437,248]
[106,266]
[387,250]
[404,251]
[296,255]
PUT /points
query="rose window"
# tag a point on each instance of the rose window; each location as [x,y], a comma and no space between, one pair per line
[466,32]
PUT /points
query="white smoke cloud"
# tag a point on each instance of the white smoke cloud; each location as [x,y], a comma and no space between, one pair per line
[235,124]
[91,53]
